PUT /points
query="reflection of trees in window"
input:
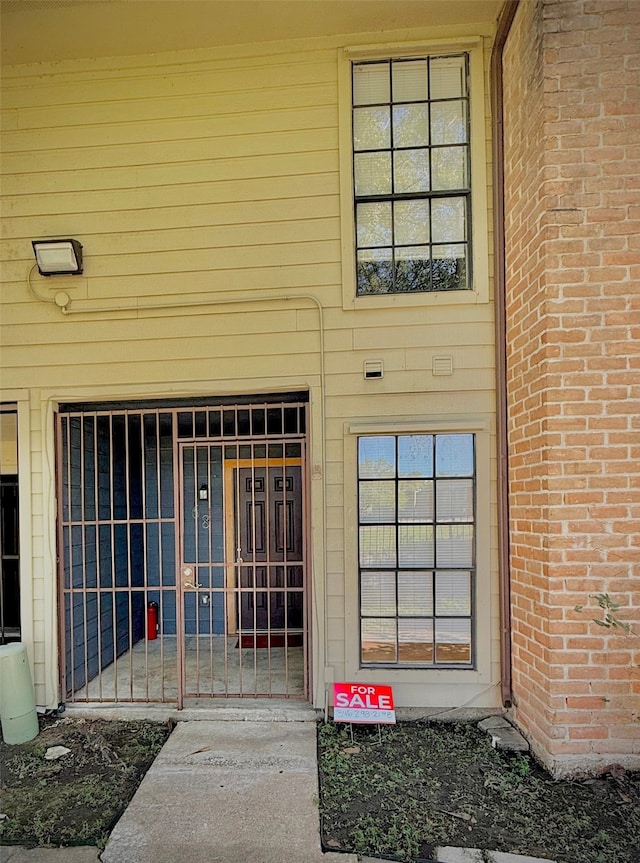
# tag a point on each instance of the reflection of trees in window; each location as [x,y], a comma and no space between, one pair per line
[411,175]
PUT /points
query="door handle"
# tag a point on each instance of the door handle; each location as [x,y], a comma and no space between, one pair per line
[187,578]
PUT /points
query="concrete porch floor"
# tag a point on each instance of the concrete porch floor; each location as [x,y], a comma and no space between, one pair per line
[214,667]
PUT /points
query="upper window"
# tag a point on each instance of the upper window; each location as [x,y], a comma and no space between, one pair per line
[411,174]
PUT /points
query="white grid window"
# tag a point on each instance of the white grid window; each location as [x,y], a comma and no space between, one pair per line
[411,174]
[417,526]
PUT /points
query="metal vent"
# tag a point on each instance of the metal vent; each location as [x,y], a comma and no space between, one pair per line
[373,369]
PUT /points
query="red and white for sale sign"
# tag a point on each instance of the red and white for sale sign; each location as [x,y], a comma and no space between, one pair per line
[363,702]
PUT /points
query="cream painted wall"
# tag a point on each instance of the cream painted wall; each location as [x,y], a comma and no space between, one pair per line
[205,188]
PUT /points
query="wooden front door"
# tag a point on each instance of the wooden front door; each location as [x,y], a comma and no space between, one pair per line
[270,557]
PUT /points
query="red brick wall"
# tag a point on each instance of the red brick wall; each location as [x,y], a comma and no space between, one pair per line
[572,179]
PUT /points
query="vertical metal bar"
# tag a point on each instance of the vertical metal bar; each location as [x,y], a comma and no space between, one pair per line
[114,594]
[94,421]
[306,587]
[160,523]
[143,529]
[62,637]
[285,526]
[127,456]
[83,558]
[179,514]
[238,550]
[70,534]
[197,560]
[254,565]
[226,594]
[268,566]
[210,558]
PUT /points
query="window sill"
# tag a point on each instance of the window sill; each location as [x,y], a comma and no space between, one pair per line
[415,300]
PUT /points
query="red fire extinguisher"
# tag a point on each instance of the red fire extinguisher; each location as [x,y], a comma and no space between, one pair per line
[152,621]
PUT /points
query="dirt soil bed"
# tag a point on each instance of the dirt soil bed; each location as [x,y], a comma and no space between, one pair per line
[77,797]
[434,784]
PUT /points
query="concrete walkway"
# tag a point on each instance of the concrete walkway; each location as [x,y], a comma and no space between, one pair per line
[227,792]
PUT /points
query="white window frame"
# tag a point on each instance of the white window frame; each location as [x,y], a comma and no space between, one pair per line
[479,155]
[483,611]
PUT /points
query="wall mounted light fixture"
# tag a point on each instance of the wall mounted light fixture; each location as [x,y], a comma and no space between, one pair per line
[58,257]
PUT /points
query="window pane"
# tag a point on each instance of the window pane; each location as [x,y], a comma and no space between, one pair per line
[378,594]
[376,457]
[415,641]
[372,173]
[449,271]
[410,125]
[449,123]
[449,168]
[374,271]
[415,500]
[409,80]
[454,545]
[455,500]
[415,545]
[415,593]
[453,641]
[377,501]
[453,593]
[378,546]
[454,455]
[411,222]
[415,455]
[410,171]
[448,220]
[413,269]
[378,639]
[374,224]
[447,78]
[371,129]
[370,83]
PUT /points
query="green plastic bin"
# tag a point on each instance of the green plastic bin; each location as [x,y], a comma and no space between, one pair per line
[17,701]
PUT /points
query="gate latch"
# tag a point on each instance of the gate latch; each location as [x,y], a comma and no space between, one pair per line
[188,578]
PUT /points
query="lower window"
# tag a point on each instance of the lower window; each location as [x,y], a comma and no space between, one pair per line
[417,528]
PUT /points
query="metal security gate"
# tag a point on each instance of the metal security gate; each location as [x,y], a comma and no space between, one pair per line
[182,552]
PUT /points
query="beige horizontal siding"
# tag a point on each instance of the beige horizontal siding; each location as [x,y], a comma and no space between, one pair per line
[228,160]
[208,175]
[163,77]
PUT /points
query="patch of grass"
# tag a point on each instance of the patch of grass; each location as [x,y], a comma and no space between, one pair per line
[433,784]
[76,799]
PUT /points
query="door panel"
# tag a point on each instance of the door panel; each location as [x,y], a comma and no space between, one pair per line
[270,533]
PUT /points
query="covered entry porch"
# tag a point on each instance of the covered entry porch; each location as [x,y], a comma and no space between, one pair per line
[182,551]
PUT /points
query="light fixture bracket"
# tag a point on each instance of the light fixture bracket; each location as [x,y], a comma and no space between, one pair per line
[58,257]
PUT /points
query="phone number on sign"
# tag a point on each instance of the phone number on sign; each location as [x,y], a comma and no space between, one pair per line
[355,714]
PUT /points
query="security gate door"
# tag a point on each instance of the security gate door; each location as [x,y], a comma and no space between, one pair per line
[182,552]
[242,569]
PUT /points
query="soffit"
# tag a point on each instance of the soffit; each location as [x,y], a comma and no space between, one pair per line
[50,30]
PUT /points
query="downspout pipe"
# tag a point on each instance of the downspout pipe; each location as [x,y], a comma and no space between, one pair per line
[505,20]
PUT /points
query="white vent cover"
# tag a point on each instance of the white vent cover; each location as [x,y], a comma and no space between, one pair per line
[442,365]
[373,369]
